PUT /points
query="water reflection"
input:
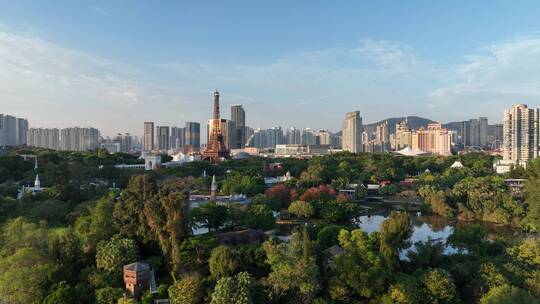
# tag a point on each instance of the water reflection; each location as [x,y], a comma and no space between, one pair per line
[424,228]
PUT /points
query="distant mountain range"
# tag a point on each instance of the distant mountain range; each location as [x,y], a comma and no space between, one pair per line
[414,123]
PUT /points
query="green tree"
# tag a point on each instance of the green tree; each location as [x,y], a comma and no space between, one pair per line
[395,233]
[492,276]
[113,254]
[388,190]
[98,278]
[125,300]
[24,277]
[438,286]
[470,238]
[527,252]
[439,205]
[313,176]
[19,233]
[168,218]
[507,294]
[53,212]
[532,195]
[223,262]
[129,214]
[335,211]
[361,191]
[238,183]
[65,251]
[62,294]
[187,290]
[98,225]
[405,290]
[293,277]
[302,209]
[109,295]
[210,215]
[426,254]
[361,272]
[259,217]
[525,262]
[234,290]
[328,236]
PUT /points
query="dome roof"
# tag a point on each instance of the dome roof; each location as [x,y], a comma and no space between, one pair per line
[407,151]
[457,164]
[241,155]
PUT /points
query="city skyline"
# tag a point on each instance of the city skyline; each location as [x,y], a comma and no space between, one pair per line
[105,68]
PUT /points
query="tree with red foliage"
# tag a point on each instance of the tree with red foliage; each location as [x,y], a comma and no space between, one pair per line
[342,198]
[323,192]
[281,193]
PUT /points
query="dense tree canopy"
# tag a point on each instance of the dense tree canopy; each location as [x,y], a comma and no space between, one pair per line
[111,255]
[68,244]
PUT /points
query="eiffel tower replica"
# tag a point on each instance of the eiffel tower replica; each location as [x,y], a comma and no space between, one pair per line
[216,149]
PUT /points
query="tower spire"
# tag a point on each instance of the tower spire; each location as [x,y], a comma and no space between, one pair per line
[216,105]
[216,149]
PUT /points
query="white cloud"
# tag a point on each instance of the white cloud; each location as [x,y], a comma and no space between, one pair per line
[493,78]
[57,86]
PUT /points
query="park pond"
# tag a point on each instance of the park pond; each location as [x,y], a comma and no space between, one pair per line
[434,227]
[425,227]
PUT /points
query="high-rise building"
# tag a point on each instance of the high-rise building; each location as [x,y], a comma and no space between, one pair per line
[21,131]
[403,137]
[192,136]
[482,131]
[177,139]
[497,135]
[294,136]
[13,130]
[79,139]
[136,143]
[309,137]
[9,131]
[162,138]
[238,116]
[274,137]
[125,142]
[256,140]
[148,136]
[434,139]
[382,138]
[474,132]
[324,137]
[44,138]
[266,138]
[520,134]
[335,141]
[249,131]
[352,132]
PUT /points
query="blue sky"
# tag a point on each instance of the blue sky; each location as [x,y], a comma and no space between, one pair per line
[115,64]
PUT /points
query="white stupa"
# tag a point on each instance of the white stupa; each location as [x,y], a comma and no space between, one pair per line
[457,165]
[35,189]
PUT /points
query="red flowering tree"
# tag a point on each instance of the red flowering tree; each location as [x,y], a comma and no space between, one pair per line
[342,198]
[281,193]
[323,192]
